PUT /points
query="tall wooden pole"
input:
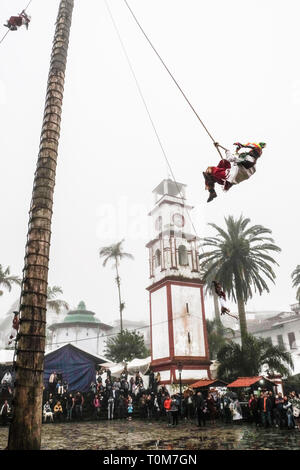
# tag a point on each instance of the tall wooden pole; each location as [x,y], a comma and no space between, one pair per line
[25,429]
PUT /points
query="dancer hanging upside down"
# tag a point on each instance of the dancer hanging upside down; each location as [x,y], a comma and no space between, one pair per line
[234,169]
[221,294]
[15,22]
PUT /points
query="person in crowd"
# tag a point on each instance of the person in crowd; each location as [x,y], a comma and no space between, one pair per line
[265,407]
[78,405]
[59,388]
[5,412]
[188,405]
[70,404]
[227,409]
[167,407]
[211,408]
[253,409]
[122,406]
[295,399]
[279,411]
[236,411]
[65,386]
[143,406]
[149,405]
[52,382]
[130,408]
[156,407]
[273,405]
[58,411]
[288,408]
[174,409]
[97,406]
[93,388]
[201,409]
[110,407]
[47,412]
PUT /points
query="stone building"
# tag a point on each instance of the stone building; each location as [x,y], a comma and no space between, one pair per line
[81,328]
[282,329]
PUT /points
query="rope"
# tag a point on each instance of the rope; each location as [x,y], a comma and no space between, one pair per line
[172,77]
[148,111]
[9,29]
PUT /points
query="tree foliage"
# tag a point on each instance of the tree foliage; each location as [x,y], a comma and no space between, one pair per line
[218,335]
[53,302]
[256,356]
[296,281]
[115,254]
[238,257]
[126,346]
[6,280]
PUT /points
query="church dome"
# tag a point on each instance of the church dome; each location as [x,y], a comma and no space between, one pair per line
[80,315]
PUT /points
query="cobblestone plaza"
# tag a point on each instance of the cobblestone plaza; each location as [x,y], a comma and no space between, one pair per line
[144,435]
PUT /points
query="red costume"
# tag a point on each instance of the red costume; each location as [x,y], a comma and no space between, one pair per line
[15,22]
[220,172]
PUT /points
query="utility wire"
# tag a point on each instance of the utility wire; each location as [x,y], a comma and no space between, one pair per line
[136,329]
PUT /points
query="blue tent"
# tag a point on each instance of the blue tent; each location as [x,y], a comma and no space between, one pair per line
[77,367]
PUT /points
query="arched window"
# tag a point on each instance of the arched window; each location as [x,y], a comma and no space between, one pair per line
[157,258]
[183,256]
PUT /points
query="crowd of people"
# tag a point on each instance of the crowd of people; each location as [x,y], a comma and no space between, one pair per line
[129,398]
[275,410]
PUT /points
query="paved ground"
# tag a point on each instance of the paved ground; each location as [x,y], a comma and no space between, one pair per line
[151,435]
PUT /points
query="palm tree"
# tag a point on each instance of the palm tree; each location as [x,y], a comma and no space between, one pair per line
[239,259]
[115,253]
[25,428]
[218,336]
[296,281]
[257,355]
[52,302]
[6,280]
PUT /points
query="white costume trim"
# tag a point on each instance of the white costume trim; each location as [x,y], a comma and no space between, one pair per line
[238,173]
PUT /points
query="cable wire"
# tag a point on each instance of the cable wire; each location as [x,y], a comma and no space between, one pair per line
[172,76]
[148,112]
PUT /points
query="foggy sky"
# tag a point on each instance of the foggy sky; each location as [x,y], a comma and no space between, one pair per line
[238,64]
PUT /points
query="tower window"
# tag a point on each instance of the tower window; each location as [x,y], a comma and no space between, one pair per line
[187,308]
[182,255]
[189,337]
[157,258]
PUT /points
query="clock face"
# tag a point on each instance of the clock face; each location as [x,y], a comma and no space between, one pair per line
[178,220]
[158,223]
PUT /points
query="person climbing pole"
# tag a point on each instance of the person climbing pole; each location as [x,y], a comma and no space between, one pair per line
[221,294]
[234,169]
[15,327]
[15,22]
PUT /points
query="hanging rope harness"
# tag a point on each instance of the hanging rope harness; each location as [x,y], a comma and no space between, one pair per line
[172,77]
[23,11]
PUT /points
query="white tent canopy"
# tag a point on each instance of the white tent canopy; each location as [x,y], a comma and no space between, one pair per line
[140,365]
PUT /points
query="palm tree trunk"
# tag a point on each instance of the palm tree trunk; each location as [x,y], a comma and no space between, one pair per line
[241,310]
[25,429]
[120,301]
[217,308]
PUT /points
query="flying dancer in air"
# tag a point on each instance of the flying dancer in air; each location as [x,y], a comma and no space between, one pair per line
[221,294]
[236,168]
[15,22]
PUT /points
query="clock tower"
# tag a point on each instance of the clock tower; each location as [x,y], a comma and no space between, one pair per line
[177,316]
